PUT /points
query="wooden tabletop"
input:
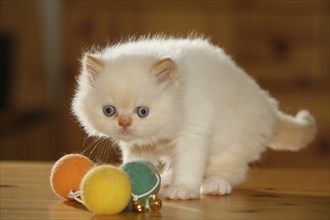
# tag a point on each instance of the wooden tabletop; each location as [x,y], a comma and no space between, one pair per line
[267,194]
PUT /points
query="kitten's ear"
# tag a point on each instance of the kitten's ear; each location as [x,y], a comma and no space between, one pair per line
[163,70]
[92,65]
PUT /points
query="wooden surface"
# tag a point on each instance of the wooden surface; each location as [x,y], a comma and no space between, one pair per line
[267,194]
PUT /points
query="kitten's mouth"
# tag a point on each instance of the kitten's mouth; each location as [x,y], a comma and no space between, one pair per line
[125,133]
[125,137]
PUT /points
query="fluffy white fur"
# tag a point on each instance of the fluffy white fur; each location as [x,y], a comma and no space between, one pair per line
[208,119]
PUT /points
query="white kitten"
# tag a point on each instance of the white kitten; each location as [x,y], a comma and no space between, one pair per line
[186,103]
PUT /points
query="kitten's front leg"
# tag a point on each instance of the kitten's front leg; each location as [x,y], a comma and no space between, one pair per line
[131,153]
[189,160]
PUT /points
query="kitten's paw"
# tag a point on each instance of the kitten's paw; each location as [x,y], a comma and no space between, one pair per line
[216,186]
[181,192]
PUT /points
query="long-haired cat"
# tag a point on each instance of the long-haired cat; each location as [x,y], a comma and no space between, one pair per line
[184,102]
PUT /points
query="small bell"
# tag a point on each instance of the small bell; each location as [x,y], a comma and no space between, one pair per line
[155,203]
[138,206]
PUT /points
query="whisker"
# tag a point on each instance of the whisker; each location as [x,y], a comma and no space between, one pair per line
[97,143]
[105,151]
[101,150]
[88,147]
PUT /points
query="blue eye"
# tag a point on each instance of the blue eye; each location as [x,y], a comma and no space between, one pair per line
[142,111]
[109,110]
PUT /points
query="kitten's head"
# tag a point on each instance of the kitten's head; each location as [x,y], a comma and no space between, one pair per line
[128,98]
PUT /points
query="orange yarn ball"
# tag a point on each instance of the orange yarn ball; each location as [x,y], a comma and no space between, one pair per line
[68,172]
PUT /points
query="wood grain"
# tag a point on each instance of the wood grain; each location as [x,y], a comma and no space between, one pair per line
[267,194]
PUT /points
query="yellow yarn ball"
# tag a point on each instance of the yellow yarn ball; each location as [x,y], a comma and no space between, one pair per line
[106,190]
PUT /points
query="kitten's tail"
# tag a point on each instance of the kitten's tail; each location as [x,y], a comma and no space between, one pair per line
[294,133]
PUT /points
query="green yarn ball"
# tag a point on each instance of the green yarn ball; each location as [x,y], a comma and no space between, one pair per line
[143,176]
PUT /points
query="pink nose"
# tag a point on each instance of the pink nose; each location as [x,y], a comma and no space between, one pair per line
[125,122]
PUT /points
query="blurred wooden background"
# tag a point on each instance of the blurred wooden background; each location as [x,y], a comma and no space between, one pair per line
[284,45]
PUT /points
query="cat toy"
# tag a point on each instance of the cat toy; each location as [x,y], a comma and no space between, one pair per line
[145,181]
[106,189]
[68,172]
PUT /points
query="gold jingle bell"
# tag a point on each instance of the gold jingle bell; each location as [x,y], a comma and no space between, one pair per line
[138,206]
[155,203]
